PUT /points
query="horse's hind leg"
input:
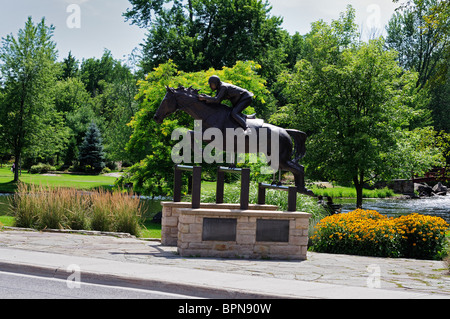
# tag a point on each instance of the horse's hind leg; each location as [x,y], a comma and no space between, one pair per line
[299,174]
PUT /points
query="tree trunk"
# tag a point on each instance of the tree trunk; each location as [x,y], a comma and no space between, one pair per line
[359,196]
[16,169]
[358,181]
[191,12]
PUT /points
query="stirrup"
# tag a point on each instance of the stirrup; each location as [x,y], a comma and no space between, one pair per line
[248,131]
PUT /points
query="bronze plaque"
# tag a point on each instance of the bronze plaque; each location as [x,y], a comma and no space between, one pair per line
[219,229]
[272,230]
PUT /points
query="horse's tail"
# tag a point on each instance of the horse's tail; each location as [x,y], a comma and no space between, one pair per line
[299,144]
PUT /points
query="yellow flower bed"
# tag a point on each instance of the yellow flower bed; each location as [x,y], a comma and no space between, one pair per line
[424,236]
[368,233]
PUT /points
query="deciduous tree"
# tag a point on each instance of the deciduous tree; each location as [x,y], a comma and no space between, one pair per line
[357,106]
[200,34]
[28,68]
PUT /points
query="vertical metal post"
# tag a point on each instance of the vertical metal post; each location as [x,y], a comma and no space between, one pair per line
[245,188]
[177,185]
[196,187]
[292,199]
[261,194]
[220,186]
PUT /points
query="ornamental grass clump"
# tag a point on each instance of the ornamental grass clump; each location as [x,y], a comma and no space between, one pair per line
[117,212]
[368,233]
[41,207]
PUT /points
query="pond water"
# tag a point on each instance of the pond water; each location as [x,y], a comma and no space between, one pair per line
[435,206]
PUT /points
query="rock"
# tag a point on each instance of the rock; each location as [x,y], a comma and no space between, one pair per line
[440,189]
[423,189]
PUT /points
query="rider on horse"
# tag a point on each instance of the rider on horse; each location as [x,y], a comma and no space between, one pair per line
[239,97]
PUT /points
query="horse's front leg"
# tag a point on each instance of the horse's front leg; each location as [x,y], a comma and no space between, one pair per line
[197,144]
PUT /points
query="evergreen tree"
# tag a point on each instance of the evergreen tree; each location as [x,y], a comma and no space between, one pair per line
[92,157]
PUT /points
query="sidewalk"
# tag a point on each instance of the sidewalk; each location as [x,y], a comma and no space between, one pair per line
[144,264]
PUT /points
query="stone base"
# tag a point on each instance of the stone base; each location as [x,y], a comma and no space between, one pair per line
[251,234]
[171,212]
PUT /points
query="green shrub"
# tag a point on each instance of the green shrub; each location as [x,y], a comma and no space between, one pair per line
[41,168]
[424,236]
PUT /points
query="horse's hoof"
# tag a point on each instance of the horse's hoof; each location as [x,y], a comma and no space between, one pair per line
[305,191]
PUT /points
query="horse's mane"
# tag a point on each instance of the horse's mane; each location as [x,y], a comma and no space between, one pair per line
[190,90]
[194,93]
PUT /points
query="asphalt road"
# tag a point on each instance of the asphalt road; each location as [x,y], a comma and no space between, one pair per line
[18,286]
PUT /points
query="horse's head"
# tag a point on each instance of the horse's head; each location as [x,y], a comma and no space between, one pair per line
[168,106]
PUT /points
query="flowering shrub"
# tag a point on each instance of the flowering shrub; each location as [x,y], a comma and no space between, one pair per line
[368,233]
[424,236]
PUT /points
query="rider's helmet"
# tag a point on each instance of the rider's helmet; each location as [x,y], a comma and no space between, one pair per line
[215,80]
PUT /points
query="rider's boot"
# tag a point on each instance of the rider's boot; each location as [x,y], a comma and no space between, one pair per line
[239,118]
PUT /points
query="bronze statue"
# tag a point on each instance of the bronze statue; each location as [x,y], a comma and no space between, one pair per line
[216,115]
[239,97]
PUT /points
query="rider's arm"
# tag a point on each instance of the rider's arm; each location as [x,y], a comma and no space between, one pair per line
[219,97]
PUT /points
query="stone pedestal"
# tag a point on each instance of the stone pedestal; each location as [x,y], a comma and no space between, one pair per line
[243,234]
[171,212]
[225,231]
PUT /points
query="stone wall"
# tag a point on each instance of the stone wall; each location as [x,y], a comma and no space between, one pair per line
[170,215]
[252,234]
[399,186]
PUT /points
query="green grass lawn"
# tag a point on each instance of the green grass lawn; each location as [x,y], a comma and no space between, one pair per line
[84,182]
[350,192]
[151,230]
[7,221]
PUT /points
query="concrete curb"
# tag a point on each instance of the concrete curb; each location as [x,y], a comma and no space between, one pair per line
[192,290]
[60,271]
[69,231]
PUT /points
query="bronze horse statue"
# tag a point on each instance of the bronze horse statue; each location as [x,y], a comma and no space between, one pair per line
[218,116]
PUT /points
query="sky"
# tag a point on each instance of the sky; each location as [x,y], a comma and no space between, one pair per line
[87,27]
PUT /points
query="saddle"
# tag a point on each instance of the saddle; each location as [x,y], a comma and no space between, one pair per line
[252,121]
